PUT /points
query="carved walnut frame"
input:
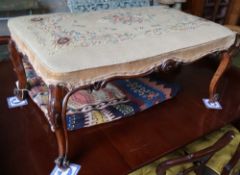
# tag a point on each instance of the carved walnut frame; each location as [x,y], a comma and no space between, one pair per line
[59,95]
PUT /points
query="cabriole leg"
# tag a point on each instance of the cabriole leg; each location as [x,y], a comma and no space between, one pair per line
[16,58]
[56,95]
[224,64]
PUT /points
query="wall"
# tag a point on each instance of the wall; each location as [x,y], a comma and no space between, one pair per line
[234,13]
[52,6]
[45,6]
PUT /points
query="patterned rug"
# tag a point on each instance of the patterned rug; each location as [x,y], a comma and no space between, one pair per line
[119,99]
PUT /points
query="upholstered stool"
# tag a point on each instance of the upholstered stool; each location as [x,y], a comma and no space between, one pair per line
[69,55]
[216,163]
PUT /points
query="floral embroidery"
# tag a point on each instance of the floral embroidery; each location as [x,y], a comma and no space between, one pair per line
[36,19]
[109,27]
[63,40]
[128,18]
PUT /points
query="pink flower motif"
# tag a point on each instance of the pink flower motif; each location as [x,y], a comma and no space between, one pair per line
[36,19]
[63,40]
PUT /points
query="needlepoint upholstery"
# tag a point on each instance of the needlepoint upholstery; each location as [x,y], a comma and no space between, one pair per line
[76,49]
[94,5]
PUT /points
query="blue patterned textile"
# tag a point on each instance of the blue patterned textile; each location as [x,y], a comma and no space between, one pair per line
[94,5]
[119,99]
[139,95]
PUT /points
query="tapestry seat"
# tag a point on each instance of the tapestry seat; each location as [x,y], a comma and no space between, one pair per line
[76,49]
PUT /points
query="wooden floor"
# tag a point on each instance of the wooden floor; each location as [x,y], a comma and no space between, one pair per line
[28,147]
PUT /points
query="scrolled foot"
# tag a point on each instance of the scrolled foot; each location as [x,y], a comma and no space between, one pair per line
[58,161]
[21,94]
[62,162]
[65,163]
[215,98]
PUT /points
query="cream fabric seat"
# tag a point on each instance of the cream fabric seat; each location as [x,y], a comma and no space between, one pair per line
[78,49]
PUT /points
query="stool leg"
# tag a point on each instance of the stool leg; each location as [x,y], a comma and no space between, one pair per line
[56,95]
[16,59]
[224,64]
